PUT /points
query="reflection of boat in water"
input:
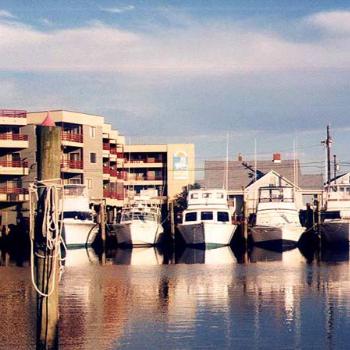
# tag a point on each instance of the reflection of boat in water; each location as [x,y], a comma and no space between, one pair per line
[80,257]
[78,224]
[140,222]
[207,219]
[291,256]
[136,256]
[217,256]
[335,228]
[277,218]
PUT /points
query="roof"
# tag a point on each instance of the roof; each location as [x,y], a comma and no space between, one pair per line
[241,174]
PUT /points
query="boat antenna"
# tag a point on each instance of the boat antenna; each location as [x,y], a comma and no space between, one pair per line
[255,161]
[227,142]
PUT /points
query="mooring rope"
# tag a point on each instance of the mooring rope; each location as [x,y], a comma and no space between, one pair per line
[52,227]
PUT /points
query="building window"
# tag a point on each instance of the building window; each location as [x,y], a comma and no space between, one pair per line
[89,184]
[92,157]
[92,132]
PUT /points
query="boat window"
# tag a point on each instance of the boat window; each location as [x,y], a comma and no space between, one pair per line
[223,216]
[81,215]
[219,195]
[206,195]
[194,196]
[191,216]
[206,215]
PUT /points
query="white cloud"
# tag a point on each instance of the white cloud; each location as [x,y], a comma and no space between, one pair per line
[118,9]
[332,21]
[46,22]
[214,48]
[6,14]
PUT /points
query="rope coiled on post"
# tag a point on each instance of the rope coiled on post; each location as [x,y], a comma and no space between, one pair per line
[51,228]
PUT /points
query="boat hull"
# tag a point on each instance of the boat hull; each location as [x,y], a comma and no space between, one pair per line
[335,231]
[284,235]
[138,233]
[209,234]
[78,233]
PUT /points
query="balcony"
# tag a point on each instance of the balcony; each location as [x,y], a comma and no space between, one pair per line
[10,140]
[112,194]
[71,139]
[144,163]
[72,166]
[106,146]
[13,117]
[14,167]
[140,179]
[13,194]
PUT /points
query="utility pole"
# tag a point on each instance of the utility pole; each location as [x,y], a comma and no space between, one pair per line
[328,143]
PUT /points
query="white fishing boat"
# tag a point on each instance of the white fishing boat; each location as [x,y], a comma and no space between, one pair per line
[277,217]
[79,228]
[335,227]
[207,219]
[140,222]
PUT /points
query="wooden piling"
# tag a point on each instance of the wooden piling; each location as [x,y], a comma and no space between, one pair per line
[47,270]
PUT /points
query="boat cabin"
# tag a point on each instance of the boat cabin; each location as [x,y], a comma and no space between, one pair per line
[207,206]
[276,194]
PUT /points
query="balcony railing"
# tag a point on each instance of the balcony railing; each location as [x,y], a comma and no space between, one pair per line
[13,113]
[144,161]
[72,164]
[106,169]
[106,147]
[13,190]
[68,136]
[120,155]
[14,163]
[134,177]
[113,195]
[13,137]
[113,151]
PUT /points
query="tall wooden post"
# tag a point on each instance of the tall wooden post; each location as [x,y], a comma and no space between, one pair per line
[47,270]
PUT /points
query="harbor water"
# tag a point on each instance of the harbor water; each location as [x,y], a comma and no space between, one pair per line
[144,298]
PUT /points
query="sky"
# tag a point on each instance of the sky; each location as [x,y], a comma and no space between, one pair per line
[270,73]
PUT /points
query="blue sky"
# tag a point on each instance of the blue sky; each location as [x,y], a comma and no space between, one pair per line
[188,71]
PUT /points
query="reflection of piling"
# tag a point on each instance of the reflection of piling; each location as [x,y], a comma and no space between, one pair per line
[245,221]
[172,219]
[46,266]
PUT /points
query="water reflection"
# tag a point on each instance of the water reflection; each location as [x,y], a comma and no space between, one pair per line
[222,255]
[80,257]
[142,256]
[139,299]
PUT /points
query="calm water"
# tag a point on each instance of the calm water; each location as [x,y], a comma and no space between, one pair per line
[198,299]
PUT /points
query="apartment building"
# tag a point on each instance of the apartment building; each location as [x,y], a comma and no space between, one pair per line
[82,148]
[114,173]
[94,154]
[167,167]
[13,165]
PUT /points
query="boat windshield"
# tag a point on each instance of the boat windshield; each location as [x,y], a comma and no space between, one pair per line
[79,215]
[135,215]
[223,216]
[207,215]
[192,216]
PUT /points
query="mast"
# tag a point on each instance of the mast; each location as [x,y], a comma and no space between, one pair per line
[335,167]
[225,176]
[255,161]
